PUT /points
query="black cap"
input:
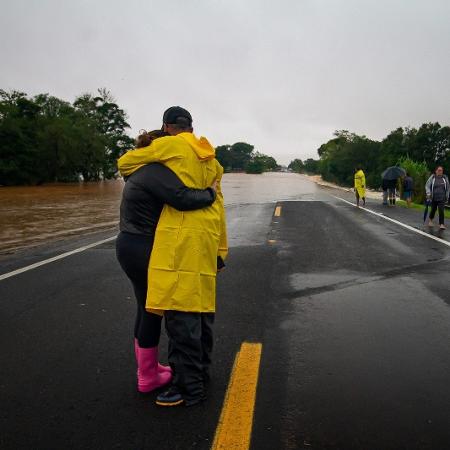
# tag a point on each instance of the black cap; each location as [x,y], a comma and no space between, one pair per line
[172,114]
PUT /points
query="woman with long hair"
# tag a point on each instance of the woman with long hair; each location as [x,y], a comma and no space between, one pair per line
[437,190]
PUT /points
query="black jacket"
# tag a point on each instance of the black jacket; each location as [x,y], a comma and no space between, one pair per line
[148,189]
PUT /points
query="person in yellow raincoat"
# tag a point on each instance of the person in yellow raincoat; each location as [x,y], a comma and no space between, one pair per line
[189,247]
[360,186]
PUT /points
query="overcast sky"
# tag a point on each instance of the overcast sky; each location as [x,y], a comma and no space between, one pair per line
[281,75]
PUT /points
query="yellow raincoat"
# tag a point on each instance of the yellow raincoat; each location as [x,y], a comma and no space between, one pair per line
[360,183]
[183,263]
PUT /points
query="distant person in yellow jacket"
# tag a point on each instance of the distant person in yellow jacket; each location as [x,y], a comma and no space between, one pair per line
[360,186]
[188,250]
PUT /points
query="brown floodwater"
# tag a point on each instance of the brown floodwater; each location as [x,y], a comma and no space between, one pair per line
[31,215]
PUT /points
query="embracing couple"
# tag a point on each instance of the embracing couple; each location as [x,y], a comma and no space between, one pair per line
[172,243]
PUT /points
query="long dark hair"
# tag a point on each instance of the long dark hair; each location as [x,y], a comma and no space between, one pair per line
[145,138]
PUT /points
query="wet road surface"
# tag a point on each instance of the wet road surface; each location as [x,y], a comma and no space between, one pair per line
[352,311]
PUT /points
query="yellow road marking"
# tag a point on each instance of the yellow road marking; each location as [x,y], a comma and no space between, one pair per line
[235,424]
[278,211]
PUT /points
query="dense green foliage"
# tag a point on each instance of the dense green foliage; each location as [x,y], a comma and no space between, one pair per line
[241,156]
[308,166]
[45,139]
[420,173]
[416,150]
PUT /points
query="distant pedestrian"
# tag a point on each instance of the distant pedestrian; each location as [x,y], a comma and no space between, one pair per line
[437,190]
[389,191]
[408,187]
[360,186]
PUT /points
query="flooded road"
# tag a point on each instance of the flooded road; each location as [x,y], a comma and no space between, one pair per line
[241,188]
[36,214]
[32,215]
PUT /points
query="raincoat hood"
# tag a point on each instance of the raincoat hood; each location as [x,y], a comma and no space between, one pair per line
[201,146]
[167,148]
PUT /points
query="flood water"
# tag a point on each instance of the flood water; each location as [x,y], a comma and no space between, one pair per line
[31,215]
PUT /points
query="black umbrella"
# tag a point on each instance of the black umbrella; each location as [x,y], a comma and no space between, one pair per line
[393,173]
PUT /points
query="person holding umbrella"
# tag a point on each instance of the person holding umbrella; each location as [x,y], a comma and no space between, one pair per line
[437,190]
[360,185]
[389,183]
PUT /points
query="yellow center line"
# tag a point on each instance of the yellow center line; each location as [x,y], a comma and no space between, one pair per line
[235,424]
[278,211]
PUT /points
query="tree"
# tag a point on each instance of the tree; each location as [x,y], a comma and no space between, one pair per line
[241,154]
[311,165]
[260,163]
[19,154]
[223,155]
[296,165]
[46,139]
[111,122]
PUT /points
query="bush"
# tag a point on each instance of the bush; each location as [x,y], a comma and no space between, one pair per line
[419,173]
[255,167]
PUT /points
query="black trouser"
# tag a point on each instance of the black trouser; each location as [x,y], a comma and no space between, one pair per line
[437,205]
[190,347]
[133,253]
[391,194]
[358,197]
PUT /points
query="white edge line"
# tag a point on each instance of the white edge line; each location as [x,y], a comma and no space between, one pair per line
[54,258]
[408,227]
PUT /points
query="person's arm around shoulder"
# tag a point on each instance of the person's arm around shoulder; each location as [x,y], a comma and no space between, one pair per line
[160,150]
[164,184]
[223,241]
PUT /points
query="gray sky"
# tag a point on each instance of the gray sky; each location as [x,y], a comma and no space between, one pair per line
[281,75]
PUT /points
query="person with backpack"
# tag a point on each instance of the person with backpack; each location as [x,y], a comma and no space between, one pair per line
[437,190]
[408,187]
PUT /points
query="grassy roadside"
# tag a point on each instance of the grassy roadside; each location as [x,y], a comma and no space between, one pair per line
[420,207]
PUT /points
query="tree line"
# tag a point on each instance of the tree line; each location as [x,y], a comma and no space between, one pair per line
[46,139]
[243,157]
[417,150]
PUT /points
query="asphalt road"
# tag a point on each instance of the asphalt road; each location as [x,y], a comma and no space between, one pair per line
[353,313]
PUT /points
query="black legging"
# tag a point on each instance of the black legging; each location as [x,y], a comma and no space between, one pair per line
[440,206]
[133,253]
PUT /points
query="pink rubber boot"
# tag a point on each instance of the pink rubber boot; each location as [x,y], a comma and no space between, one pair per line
[149,378]
[161,368]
